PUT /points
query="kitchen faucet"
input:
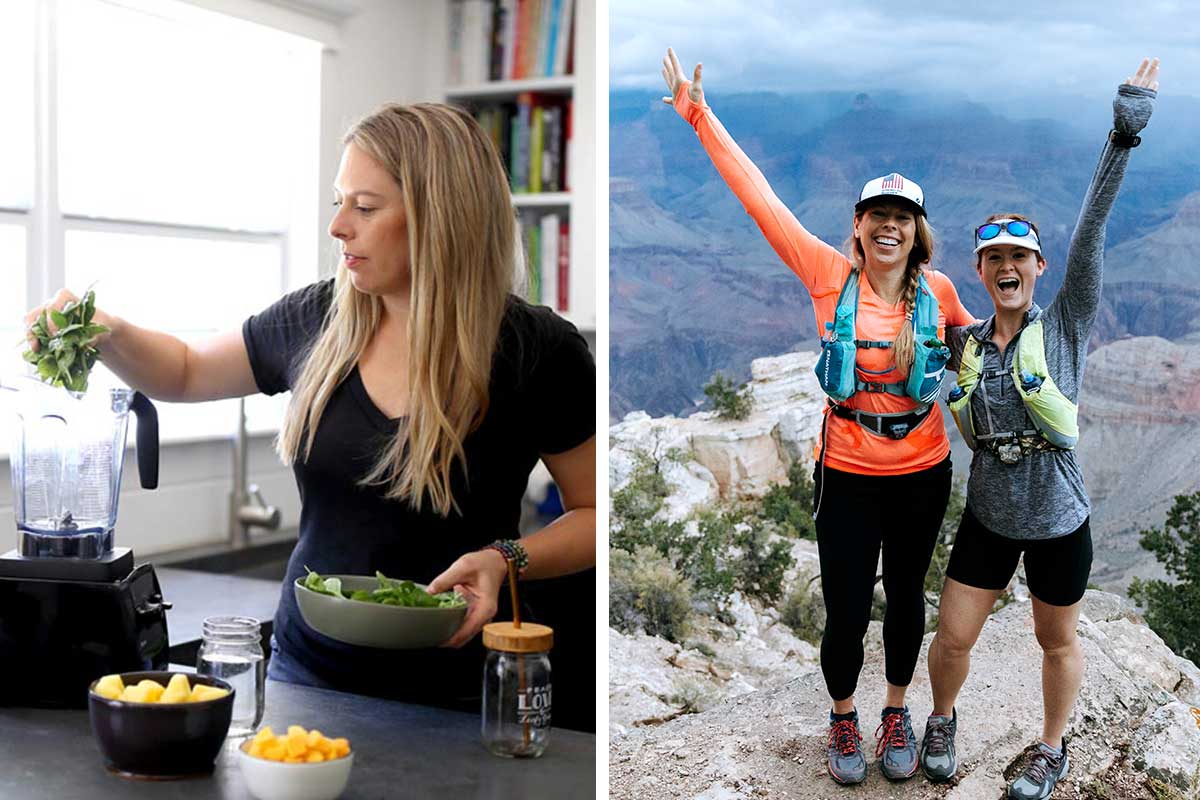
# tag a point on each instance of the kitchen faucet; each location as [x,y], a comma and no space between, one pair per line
[247,508]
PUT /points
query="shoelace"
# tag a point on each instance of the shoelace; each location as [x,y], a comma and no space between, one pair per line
[1040,766]
[937,741]
[844,736]
[894,734]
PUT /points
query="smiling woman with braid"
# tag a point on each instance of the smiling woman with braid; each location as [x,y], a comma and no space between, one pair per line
[1015,403]
[883,445]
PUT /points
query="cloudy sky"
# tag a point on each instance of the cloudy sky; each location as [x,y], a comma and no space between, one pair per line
[976,48]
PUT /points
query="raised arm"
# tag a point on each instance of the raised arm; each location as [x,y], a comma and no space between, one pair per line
[814,262]
[163,366]
[1079,297]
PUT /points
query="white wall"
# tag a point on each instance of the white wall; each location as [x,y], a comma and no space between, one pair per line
[388,50]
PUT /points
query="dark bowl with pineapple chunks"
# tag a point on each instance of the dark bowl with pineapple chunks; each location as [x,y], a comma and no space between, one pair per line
[161,740]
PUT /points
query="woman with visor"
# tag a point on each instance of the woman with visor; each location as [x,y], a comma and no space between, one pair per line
[883,446]
[1015,403]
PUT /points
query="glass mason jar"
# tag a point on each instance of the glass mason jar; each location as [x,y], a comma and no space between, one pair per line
[516,689]
[232,651]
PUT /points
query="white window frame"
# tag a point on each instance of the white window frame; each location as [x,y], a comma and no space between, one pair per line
[47,226]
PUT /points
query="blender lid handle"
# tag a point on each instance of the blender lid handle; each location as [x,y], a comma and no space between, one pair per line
[147,439]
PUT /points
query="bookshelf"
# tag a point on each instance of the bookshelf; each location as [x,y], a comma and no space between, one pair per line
[577,204]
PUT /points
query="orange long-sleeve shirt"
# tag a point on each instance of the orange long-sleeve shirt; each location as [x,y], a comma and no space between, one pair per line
[823,270]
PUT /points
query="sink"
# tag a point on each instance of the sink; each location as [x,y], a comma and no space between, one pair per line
[265,560]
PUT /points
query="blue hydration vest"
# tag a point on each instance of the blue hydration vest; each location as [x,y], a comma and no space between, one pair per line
[837,370]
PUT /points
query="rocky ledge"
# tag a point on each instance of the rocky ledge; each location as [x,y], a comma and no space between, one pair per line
[1135,723]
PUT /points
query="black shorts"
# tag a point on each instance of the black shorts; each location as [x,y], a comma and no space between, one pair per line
[1056,569]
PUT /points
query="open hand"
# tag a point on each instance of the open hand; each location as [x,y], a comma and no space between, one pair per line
[477,576]
[673,74]
[1147,75]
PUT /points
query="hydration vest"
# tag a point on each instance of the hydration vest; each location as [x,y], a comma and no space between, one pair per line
[837,370]
[1055,418]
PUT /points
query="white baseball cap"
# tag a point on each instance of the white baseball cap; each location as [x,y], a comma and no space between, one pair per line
[891,187]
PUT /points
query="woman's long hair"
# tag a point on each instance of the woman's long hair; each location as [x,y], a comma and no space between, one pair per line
[461,257]
[922,253]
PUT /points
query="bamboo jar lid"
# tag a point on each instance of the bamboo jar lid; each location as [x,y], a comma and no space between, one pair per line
[529,638]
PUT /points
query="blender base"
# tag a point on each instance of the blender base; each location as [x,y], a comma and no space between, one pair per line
[88,544]
[114,566]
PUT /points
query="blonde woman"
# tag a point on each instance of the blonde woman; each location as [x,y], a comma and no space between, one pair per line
[423,394]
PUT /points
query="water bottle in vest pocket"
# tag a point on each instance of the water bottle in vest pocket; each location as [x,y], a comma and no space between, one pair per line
[924,381]
[835,368]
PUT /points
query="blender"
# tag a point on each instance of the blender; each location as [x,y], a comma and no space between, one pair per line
[72,606]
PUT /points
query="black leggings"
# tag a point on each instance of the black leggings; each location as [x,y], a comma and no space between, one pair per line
[859,514]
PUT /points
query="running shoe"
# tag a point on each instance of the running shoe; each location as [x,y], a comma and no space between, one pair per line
[847,764]
[1044,770]
[938,759]
[896,745]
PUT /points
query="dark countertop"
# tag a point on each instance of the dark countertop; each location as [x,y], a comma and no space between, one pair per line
[401,751]
[195,595]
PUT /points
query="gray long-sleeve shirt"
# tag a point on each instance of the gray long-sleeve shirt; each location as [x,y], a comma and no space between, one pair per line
[1043,496]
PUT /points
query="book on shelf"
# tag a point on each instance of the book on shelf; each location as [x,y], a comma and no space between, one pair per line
[493,40]
[546,239]
[531,136]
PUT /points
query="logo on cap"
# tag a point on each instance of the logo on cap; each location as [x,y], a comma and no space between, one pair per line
[894,181]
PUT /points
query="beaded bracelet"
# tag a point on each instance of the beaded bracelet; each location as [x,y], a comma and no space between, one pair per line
[513,551]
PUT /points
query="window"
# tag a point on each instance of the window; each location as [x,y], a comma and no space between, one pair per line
[175,167]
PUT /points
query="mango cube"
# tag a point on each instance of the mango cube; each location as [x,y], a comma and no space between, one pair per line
[110,686]
[297,746]
[177,691]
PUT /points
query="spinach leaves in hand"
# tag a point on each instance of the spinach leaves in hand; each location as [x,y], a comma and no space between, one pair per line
[65,357]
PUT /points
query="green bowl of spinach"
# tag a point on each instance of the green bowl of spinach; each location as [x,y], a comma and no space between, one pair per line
[378,611]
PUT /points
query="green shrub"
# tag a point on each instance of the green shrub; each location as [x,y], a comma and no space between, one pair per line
[634,517]
[647,594]
[760,567]
[702,557]
[791,504]
[728,401]
[690,696]
[1173,609]
[804,612]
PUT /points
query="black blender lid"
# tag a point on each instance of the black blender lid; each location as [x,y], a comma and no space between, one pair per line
[114,566]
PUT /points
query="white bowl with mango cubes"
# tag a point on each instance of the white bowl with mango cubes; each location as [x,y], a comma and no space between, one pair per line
[160,724]
[298,765]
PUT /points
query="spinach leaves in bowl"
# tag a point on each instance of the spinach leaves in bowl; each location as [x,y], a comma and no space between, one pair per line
[391,592]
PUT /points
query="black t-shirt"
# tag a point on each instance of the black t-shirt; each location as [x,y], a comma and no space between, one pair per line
[542,400]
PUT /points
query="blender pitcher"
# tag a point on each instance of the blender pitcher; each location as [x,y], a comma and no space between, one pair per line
[67,456]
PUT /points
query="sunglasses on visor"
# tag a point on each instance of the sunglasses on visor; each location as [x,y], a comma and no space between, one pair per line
[1015,227]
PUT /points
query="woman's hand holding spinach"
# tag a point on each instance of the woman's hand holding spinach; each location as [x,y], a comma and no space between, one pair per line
[63,337]
[478,576]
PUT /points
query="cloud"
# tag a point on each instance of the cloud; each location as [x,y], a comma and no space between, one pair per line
[978,49]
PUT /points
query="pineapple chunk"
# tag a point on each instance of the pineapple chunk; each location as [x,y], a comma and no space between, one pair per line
[110,686]
[264,735]
[154,690]
[255,748]
[341,747]
[314,756]
[177,691]
[202,692]
[136,694]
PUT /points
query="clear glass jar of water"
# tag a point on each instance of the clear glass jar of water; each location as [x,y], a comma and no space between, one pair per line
[232,651]
[516,689]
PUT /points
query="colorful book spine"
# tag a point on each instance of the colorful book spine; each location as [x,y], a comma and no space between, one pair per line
[537,134]
[549,235]
[564,265]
